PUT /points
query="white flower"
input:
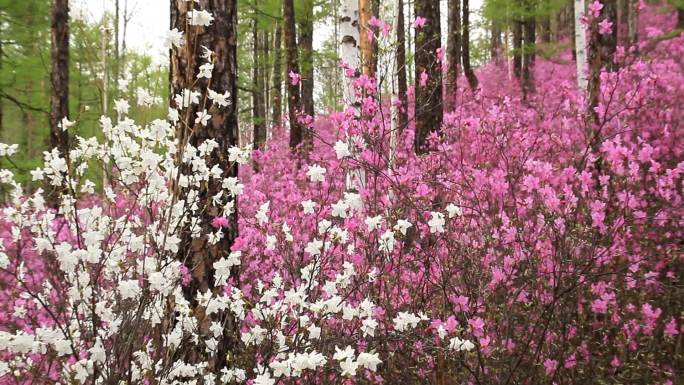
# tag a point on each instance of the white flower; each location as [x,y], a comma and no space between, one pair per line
[387,241]
[460,345]
[221,100]
[202,117]
[341,355]
[339,209]
[271,242]
[373,222]
[342,149]
[453,210]
[129,289]
[402,225]
[264,379]
[369,361]
[405,321]
[174,38]
[121,106]
[436,223]
[368,327]
[316,173]
[349,367]
[66,123]
[205,71]
[202,18]
[308,206]
[262,214]
[314,247]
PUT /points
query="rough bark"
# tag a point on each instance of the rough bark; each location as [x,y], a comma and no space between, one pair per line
[258,114]
[633,21]
[517,47]
[197,254]
[454,52]
[277,76]
[402,85]
[529,37]
[293,92]
[375,11]
[428,96]
[364,42]
[465,50]
[59,99]
[306,57]
[607,43]
[495,42]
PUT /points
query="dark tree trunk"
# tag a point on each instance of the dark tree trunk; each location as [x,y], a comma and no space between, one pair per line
[429,96]
[680,18]
[546,29]
[265,72]
[306,57]
[607,43]
[258,114]
[293,97]
[517,47]
[529,37]
[59,100]
[196,253]
[467,69]
[402,86]
[277,76]
[375,11]
[495,42]
[454,53]
[633,21]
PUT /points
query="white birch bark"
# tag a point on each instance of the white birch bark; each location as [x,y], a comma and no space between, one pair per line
[349,45]
[581,46]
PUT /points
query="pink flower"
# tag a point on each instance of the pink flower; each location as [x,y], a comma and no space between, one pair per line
[420,22]
[374,22]
[423,79]
[550,366]
[295,78]
[605,27]
[595,8]
[671,328]
[219,222]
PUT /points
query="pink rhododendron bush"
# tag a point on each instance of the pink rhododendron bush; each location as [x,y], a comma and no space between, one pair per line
[533,244]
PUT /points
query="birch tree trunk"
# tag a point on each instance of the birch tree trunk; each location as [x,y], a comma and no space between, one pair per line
[581,46]
[349,49]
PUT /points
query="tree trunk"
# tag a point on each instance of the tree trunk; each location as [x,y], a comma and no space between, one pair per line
[349,49]
[258,115]
[580,46]
[607,43]
[467,69]
[495,42]
[375,11]
[517,47]
[454,53]
[546,29]
[428,93]
[680,17]
[306,57]
[364,41]
[196,253]
[633,22]
[277,76]
[265,72]
[293,98]
[59,101]
[529,37]
[402,85]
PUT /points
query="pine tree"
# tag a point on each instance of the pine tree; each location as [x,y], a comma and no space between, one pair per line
[428,91]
